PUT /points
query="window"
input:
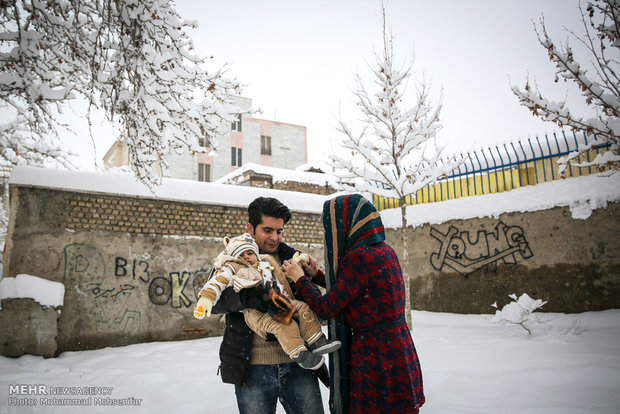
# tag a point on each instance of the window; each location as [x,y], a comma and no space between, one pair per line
[235,159]
[204,141]
[236,125]
[204,172]
[265,145]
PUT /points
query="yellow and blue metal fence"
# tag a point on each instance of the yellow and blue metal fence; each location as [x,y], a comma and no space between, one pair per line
[506,167]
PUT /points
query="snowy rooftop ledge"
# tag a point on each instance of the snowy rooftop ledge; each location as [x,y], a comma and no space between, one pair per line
[581,194]
[283,175]
[170,189]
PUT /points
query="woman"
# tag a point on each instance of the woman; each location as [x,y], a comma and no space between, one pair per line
[377,369]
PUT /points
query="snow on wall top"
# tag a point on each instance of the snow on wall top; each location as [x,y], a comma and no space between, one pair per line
[46,292]
[581,194]
[170,189]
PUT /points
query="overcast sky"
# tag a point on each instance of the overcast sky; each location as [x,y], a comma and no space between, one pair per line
[298,58]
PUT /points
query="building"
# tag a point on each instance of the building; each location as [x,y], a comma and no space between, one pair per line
[117,156]
[249,140]
[305,178]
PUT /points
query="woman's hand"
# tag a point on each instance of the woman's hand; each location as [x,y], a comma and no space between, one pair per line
[292,270]
[311,267]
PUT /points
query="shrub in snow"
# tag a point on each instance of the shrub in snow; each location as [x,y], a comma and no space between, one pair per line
[576,328]
[519,312]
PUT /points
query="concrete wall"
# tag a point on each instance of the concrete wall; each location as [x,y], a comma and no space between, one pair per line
[28,328]
[464,266]
[131,267]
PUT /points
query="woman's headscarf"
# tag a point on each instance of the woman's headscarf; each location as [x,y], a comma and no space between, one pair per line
[349,221]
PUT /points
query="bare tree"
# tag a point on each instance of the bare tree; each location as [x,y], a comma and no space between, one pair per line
[132,60]
[600,89]
[395,153]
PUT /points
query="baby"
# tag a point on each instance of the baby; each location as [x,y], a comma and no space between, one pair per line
[239,266]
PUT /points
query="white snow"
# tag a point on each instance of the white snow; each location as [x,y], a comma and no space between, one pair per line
[47,293]
[570,365]
[170,189]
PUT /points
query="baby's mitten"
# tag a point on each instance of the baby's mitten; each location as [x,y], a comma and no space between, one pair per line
[301,257]
[203,306]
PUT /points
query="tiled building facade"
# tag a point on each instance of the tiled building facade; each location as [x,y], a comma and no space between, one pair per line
[249,139]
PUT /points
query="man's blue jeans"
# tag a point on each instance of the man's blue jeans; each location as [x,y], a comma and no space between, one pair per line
[295,387]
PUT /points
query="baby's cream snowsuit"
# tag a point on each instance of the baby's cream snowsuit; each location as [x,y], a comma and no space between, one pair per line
[236,272]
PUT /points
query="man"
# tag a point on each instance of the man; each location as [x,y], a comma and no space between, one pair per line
[260,370]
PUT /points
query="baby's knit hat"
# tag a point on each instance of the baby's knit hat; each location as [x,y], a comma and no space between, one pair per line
[239,244]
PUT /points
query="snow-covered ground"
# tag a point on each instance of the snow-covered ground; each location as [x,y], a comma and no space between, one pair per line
[571,365]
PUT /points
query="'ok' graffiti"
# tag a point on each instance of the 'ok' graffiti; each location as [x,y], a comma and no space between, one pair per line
[464,255]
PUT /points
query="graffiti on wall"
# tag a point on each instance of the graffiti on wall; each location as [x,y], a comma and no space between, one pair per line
[85,276]
[111,289]
[460,252]
[162,290]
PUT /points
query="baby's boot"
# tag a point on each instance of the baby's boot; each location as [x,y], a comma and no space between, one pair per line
[308,360]
[323,346]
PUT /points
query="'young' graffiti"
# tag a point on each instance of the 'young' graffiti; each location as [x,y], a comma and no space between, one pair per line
[458,251]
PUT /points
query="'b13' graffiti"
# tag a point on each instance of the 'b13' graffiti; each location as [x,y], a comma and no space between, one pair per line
[458,251]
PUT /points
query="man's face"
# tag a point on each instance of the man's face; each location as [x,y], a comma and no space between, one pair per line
[268,234]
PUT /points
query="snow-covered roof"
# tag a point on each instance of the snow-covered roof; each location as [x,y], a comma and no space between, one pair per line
[170,189]
[298,175]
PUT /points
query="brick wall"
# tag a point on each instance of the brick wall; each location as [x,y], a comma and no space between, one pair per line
[304,187]
[141,216]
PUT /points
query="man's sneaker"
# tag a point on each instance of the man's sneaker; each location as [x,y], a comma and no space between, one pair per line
[308,360]
[323,346]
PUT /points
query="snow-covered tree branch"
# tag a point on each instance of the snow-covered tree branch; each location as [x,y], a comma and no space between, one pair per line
[393,152]
[133,60]
[600,88]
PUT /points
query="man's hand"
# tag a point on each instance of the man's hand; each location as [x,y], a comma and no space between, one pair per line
[307,262]
[292,270]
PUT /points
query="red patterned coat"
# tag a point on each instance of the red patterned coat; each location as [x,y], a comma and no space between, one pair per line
[385,374]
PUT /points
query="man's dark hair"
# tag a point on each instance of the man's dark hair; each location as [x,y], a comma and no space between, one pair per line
[267,206]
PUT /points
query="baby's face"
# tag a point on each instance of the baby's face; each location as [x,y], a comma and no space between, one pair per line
[249,256]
